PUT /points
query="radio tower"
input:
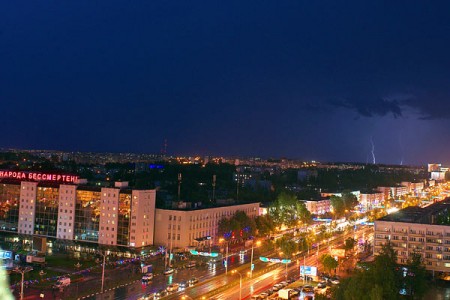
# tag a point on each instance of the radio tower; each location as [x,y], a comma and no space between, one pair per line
[164,148]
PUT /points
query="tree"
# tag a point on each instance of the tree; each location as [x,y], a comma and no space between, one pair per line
[415,278]
[350,201]
[338,205]
[302,213]
[382,280]
[239,226]
[287,246]
[288,210]
[349,244]
[328,262]
[264,225]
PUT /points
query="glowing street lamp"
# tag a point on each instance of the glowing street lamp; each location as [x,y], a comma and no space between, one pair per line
[226,254]
[258,243]
[240,282]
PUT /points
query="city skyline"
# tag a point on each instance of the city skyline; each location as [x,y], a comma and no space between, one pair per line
[315,81]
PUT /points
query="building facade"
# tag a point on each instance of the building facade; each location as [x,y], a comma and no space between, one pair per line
[318,207]
[116,216]
[371,200]
[421,230]
[392,192]
[182,229]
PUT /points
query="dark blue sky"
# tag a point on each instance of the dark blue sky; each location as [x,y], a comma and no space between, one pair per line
[302,79]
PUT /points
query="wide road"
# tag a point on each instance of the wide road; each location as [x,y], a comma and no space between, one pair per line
[213,278]
[267,280]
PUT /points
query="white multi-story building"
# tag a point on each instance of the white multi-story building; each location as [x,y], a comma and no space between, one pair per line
[64,207]
[370,200]
[318,207]
[66,211]
[416,229]
[391,192]
[27,207]
[413,187]
[184,228]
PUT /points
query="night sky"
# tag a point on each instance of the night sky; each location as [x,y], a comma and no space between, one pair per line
[301,79]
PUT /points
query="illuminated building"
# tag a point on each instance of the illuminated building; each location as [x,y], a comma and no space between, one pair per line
[62,207]
[318,207]
[415,229]
[185,228]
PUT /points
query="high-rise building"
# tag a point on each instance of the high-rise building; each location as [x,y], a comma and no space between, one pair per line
[73,211]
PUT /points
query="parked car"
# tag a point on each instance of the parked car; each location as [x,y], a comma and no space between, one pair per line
[307,290]
[277,287]
[334,280]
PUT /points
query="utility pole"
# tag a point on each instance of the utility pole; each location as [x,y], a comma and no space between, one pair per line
[237,186]
[214,188]
[179,185]
[104,254]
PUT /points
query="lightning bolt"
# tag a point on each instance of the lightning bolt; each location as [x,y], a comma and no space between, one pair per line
[400,141]
[373,150]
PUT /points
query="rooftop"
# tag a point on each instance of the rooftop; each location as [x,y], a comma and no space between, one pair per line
[415,214]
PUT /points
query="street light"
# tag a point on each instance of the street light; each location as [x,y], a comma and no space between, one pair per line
[226,255]
[286,272]
[240,282]
[104,254]
[251,260]
[22,270]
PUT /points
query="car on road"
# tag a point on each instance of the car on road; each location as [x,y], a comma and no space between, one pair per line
[168,271]
[192,281]
[160,294]
[173,287]
[183,285]
[146,278]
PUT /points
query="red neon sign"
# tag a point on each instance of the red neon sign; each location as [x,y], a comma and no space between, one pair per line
[37,176]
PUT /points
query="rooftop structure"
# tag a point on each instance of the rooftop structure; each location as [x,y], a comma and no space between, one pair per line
[414,229]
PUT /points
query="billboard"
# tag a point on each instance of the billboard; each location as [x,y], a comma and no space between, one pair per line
[6,254]
[308,270]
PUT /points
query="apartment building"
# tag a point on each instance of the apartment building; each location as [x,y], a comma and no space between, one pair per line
[424,230]
[192,227]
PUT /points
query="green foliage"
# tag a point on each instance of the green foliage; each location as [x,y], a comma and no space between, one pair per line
[383,280]
[240,224]
[338,206]
[415,280]
[288,210]
[287,246]
[343,205]
[328,262]
[264,225]
[349,244]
